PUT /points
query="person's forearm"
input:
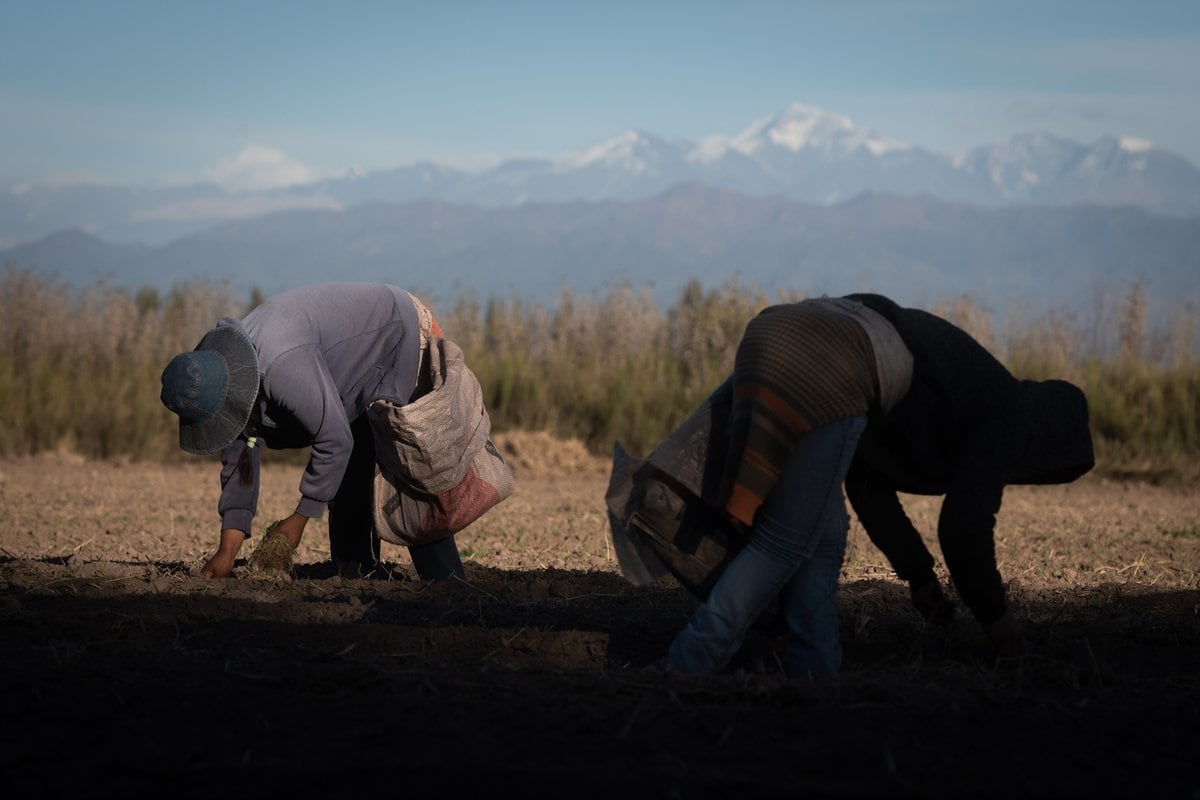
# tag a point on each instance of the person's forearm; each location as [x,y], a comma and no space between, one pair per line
[239,500]
[221,563]
[967,523]
[231,541]
[966,533]
[326,468]
[878,508]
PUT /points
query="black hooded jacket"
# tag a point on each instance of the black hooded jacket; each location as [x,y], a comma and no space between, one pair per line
[966,429]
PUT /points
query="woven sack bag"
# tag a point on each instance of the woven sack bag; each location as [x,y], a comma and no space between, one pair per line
[437,469]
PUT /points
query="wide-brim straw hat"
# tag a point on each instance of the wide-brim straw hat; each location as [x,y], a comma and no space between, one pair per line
[213,388]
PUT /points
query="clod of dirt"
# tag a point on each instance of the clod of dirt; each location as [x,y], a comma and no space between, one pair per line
[273,556]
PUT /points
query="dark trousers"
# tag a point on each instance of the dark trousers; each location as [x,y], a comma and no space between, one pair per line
[352,536]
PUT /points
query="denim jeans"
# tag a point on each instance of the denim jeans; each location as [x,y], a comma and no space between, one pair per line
[795,550]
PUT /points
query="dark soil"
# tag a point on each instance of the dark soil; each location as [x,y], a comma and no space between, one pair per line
[128,674]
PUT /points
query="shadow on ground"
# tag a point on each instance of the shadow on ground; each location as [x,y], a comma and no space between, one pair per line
[139,677]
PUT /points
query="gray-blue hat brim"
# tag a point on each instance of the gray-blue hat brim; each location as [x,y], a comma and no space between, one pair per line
[217,431]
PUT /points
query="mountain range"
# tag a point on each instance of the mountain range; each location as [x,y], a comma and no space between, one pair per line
[804,200]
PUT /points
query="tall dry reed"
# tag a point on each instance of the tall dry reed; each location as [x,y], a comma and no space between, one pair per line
[80,370]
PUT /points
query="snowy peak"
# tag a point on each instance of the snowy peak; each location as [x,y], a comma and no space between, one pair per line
[633,151]
[1038,166]
[1023,161]
[799,128]
[1132,144]
[1115,155]
[1039,146]
[802,153]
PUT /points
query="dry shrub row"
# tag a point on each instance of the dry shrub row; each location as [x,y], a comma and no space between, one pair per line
[79,370]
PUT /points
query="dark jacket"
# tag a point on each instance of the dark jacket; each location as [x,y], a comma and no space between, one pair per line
[965,430]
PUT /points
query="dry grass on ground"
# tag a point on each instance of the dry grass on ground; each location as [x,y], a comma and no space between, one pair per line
[124,670]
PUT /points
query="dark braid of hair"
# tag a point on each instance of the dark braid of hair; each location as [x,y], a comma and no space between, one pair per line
[245,466]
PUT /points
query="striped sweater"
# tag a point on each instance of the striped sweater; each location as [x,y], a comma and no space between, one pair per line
[800,366]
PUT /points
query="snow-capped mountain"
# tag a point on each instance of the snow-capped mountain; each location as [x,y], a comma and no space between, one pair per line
[918,250]
[799,128]
[633,152]
[801,153]
[1041,168]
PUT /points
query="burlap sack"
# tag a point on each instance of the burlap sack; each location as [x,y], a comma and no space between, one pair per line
[406,516]
[437,469]
[662,510]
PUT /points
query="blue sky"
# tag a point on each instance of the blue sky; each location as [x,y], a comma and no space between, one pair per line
[258,91]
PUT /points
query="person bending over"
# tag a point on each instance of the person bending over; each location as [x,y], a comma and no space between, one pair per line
[966,429]
[805,377]
[299,371]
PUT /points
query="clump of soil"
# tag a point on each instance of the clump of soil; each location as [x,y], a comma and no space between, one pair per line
[273,556]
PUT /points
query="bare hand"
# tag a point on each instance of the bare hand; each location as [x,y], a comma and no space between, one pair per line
[291,529]
[1006,636]
[221,564]
[218,566]
[932,603]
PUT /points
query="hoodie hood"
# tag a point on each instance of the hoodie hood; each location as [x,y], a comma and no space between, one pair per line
[1059,447]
